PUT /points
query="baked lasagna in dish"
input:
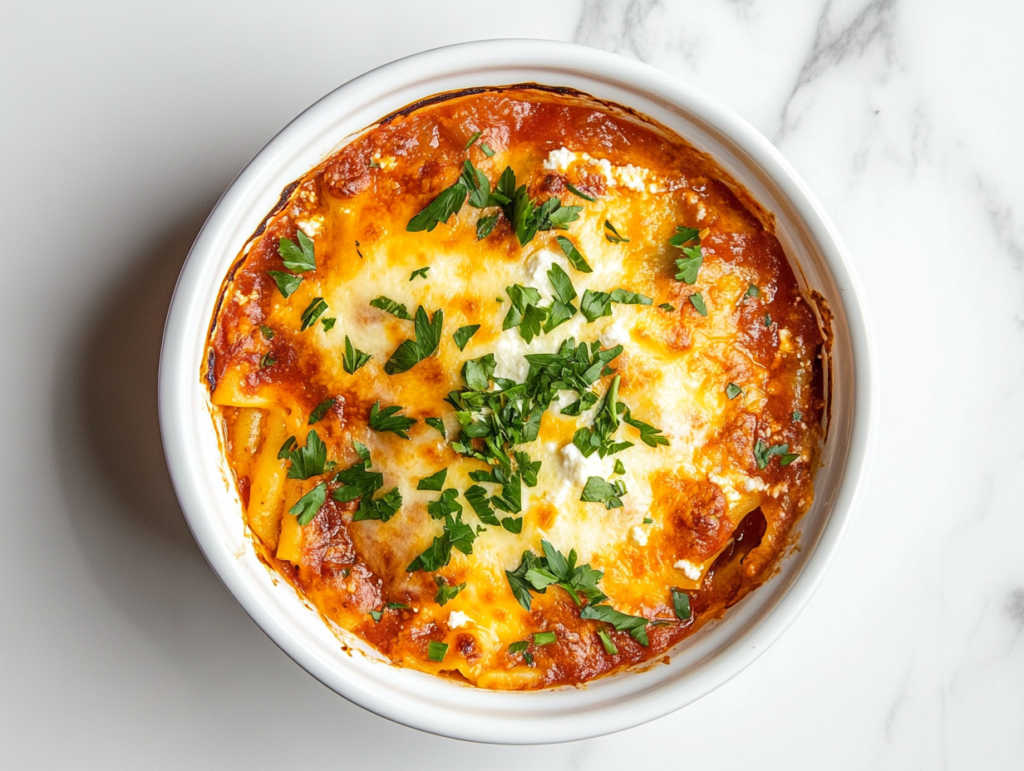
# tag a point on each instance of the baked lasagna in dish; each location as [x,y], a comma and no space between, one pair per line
[519,388]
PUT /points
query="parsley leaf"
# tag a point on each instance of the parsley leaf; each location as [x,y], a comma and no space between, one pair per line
[681,604]
[440,209]
[383,420]
[445,505]
[573,255]
[512,524]
[635,625]
[267,331]
[297,258]
[788,458]
[412,352]
[619,468]
[753,291]
[763,452]
[649,435]
[797,416]
[535,574]
[767,319]
[321,410]
[446,592]
[308,461]
[286,282]
[267,360]
[388,305]
[463,334]
[438,425]
[697,301]
[544,638]
[669,307]
[376,615]
[309,504]
[473,137]
[606,641]
[314,311]
[434,482]
[383,508]
[478,372]
[598,490]
[732,391]
[353,358]
[329,323]
[478,499]
[436,650]
[612,235]
[623,297]
[575,191]
[419,273]
[561,283]
[594,305]
[689,264]
[456,534]
[485,225]
[486,150]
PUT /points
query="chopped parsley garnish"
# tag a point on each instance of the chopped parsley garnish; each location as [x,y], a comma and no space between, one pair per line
[436,650]
[512,524]
[309,504]
[732,391]
[462,335]
[481,504]
[788,458]
[267,360]
[321,410]
[697,301]
[767,319]
[544,638]
[306,462]
[313,311]
[440,209]
[412,352]
[689,264]
[286,282]
[434,482]
[797,416]
[622,622]
[485,225]
[419,273]
[598,490]
[376,615]
[388,305]
[447,504]
[681,604]
[475,136]
[353,358]
[267,331]
[397,606]
[648,521]
[763,453]
[612,235]
[623,297]
[573,255]
[606,641]
[753,291]
[438,425]
[373,165]
[598,437]
[619,468]
[525,311]
[575,191]
[486,150]
[594,305]
[518,647]
[358,482]
[478,372]
[297,258]
[329,323]
[446,592]
[455,535]
[386,419]
[669,307]
[535,574]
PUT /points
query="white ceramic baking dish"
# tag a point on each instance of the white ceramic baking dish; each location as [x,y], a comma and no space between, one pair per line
[701,663]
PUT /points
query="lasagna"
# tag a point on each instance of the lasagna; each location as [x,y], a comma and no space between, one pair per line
[519,388]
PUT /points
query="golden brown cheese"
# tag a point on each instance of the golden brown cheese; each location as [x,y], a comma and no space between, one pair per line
[725,369]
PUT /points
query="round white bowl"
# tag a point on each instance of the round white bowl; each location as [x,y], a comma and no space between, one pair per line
[701,663]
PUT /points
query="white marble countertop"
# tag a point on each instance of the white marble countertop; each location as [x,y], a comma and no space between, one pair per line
[124,121]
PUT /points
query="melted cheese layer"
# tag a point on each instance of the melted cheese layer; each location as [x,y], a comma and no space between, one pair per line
[683,522]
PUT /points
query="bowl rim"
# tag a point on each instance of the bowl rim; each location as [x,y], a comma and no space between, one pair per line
[576,717]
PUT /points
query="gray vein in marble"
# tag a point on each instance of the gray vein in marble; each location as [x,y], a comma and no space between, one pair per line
[833,47]
[630,29]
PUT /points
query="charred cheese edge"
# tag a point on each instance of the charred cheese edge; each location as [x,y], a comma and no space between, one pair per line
[699,514]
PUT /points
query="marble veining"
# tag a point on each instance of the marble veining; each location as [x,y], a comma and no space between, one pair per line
[904,116]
